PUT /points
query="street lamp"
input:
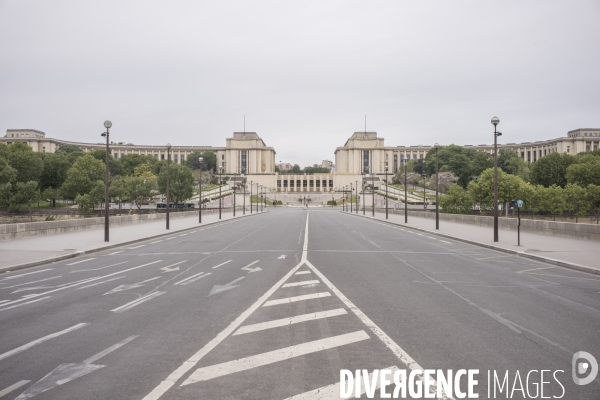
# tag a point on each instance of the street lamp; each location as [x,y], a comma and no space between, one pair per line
[244,199]
[201,161]
[107,125]
[437,206]
[356,198]
[405,194]
[424,200]
[351,193]
[168,181]
[220,184]
[386,190]
[364,203]
[257,197]
[495,122]
[251,196]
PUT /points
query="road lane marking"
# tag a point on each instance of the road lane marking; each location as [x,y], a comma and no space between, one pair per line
[300,283]
[3,301]
[183,280]
[96,269]
[82,282]
[243,364]
[137,302]
[122,288]
[29,283]
[222,264]
[29,273]
[41,340]
[445,241]
[533,269]
[158,241]
[116,252]
[170,238]
[302,272]
[196,278]
[333,391]
[22,304]
[250,270]
[13,387]
[388,341]
[169,269]
[289,321]
[101,282]
[136,247]
[82,261]
[183,234]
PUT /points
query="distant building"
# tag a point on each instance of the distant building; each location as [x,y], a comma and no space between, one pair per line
[284,166]
[328,164]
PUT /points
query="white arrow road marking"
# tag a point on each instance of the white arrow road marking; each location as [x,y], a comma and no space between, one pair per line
[193,278]
[222,288]
[82,261]
[28,273]
[41,340]
[137,302]
[226,262]
[250,270]
[169,269]
[300,283]
[333,391]
[130,286]
[243,364]
[13,387]
[289,321]
[302,272]
[65,373]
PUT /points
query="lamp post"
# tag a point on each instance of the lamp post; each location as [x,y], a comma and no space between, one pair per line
[168,181]
[200,160]
[261,198]
[495,122]
[107,125]
[373,195]
[233,189]
[256,197]
[244,197]
[220,185]
[364,203]
[405,195]
[356,198]
[437,206]
[424,200]
[251,196]
[386,190]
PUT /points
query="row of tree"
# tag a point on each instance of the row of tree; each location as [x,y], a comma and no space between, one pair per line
[306,170]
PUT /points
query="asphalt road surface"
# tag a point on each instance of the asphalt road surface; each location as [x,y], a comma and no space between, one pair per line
[274,306]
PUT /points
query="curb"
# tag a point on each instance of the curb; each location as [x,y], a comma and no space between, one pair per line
[109,247]
[547,260]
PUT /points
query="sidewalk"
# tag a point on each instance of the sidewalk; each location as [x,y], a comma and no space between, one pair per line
[21,253]
[572,251]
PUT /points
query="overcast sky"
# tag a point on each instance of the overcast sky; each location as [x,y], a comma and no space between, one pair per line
[304,73]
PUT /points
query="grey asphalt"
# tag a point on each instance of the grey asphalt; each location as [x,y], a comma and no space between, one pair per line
[445,304]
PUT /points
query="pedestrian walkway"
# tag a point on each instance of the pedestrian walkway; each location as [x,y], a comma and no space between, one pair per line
[27,250]
[577,251]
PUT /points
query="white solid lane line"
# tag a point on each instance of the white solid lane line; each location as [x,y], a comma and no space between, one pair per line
[170,238]
[243,364]
[41,340]
[116,252]
[29,273]
[196,278]
[289,321]
[101,282]
[444,241]
[294,299]
[300,283]
[302,272]
[333,391]
[137,302]
[82,261]
[13,387]
[96,269]
[217,266]
[188,278]
[158,241]
[136,247]
[22,304]
[28,283]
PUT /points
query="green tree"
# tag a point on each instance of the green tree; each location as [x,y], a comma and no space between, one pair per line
[553,200]
[26,192]
[72,152]
[85,203]
[82,176]
[97,194]
[593,194]
[193,161]
[577,200]
[551,169]
[209,162]
[510,187]
[140,189]
[464,163]
[7,173]
[114,166]
[296,169]
[119,190]
[28,164]
[130,161]
[457,201]
[181,183]
[511,163]
[316,170]
[6,193]
[585,172]
[54,173]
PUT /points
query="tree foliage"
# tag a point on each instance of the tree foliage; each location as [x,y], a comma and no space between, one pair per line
[181,183]
[82,176]
[551,169]
[466,164]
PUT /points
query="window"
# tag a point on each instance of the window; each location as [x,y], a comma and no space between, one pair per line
[421,156]
[523,155]
[534,156]
[366,162]
[116,155]
[331,183]
[298,183]
[175,157]
[222,156]
[324,183]
[44,149]
[285,183]
[568,149]
[529,156]
[162,156]
[587,147]
[544,151]
[408,156]
[182,157]
[244,161]
[156,156]
[304,183]
[318,182]
[278,183]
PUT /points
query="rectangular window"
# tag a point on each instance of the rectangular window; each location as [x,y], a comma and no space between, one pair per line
[523,155]
[222,156]
[366,162]
[534,156]
[587,147]
[175,157]
[285,183]
[244,161]
[304,183]
[324,183]
[568,149]
[331,183]
[116,155]
[156,156]
[420,156]
[318,182]
[182,157]
[298,183]
[544,151]
[278,183]
[529,156]
[408,156]
[44,149]
[595,147]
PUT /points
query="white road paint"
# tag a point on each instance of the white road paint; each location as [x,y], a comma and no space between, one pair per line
[243,364]
[165,385]
[393,346]
[169,268]
[28,273]
[82,282]
[300,283]
[96,269]
[226,262]
[3,301]
[51,287]
[171,238]
[333,391]
[29,283]
[82,261]
[22,304]
[443,241]
[101,282]
[192,278]
[302,272]
[197,278]
[183,234]
[122,288]
[13,387]
[290,321]
[250,270]
[41,340]
[222,288]
[65,373]
[137,302]
[158,241]
[136,247]
[116,252]
[294,299]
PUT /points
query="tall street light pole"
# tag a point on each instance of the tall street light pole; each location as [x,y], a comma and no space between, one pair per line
[437,206]
[351,194]
[200,160]
[373,194]
[244,197]
[386,190]
[364,202]
[495,122]
[168,181]
[356,198]
[233,189]
[257,197]
[405,194]
[424,200]
[251,182]
[220,185]
[107,125]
